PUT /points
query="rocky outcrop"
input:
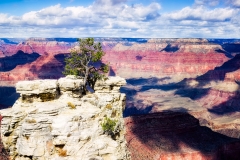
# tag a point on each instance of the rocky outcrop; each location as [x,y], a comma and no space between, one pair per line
[53,120]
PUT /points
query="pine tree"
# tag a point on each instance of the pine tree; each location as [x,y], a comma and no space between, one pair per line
[85,61]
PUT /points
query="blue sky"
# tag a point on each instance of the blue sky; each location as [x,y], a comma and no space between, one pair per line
[120,18]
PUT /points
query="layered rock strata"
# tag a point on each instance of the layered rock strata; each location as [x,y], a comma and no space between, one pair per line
[37,45]
[178,58]
[53,120]
[175,58]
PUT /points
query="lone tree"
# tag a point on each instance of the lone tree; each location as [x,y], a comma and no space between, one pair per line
[85,61]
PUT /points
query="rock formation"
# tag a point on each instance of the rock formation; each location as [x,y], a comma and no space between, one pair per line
[177,58]
[53,120]
[160,58]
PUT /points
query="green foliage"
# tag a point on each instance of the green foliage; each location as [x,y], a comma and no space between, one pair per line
[108,125]
[86,62]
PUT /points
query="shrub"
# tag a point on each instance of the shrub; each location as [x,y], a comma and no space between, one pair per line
[30,121]
[109,106]
[62,152]
[71,105]
[108,125]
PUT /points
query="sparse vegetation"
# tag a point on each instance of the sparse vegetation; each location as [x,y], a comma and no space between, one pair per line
[30,121]
[71,105]
[109,106]
[108,125]
[62,152]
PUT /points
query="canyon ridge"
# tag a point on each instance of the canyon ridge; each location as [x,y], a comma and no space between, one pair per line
[182,95]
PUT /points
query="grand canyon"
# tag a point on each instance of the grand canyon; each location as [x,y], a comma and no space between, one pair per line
[182,95]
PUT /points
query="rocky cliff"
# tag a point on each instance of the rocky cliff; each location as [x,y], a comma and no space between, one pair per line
[53,120]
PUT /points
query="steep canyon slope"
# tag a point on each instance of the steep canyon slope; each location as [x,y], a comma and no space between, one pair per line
[194,77]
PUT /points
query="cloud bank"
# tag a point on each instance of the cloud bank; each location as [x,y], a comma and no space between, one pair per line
[116,18]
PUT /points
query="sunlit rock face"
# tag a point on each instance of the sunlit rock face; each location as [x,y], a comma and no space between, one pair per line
[53,120]
[161,58]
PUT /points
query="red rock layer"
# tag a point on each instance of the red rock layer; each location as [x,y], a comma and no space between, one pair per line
[34,45]
[150,59]
[182,59]
[45,67]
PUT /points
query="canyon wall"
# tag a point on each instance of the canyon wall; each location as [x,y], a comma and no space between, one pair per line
[129,58]
[177,58]
[197,77]
[161,58]
[53,120]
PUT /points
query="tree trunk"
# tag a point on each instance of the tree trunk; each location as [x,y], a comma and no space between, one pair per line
[85,80]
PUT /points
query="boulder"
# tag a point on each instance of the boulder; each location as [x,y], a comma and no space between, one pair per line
[111,84]
[37,90]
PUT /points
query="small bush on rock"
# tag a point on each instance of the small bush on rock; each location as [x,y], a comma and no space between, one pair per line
[109,106]
[71,105]
[108,125]
[31,121]
[62,153]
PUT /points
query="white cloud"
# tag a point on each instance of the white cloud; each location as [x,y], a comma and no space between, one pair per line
[109,2]
[207,2]
[56,10]
[235,3]
[93,15]
[115,18]
[202,13]
[4,18]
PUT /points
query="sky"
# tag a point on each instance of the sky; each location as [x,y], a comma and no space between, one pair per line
[120,18]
